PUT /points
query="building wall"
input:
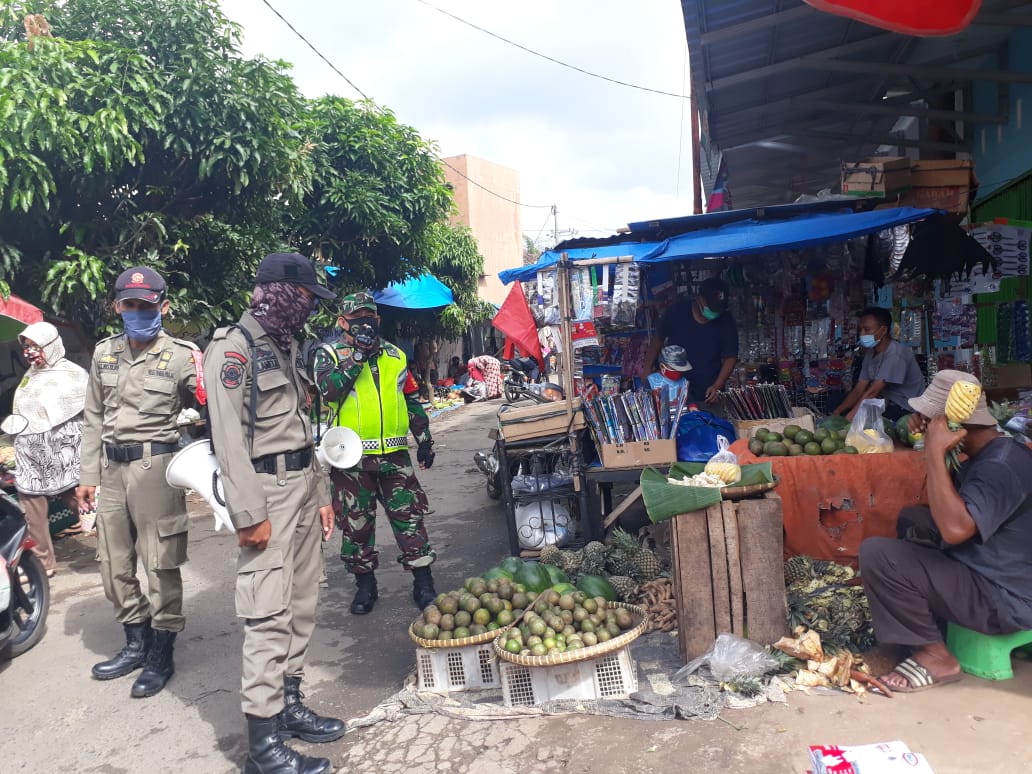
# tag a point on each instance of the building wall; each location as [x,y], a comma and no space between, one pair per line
[1002,153]
[494,222]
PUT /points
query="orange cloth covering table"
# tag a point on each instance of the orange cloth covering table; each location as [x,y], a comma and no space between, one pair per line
[831,503]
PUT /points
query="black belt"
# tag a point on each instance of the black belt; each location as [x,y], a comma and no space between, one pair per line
[134,451]
[294,460]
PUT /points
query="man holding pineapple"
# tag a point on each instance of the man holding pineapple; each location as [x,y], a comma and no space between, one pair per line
[966,558]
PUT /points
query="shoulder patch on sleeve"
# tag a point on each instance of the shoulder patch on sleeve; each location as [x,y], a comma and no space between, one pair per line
[231,375]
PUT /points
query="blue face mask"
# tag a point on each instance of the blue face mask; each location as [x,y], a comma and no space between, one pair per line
[142,325]
[709,314]
[868,341]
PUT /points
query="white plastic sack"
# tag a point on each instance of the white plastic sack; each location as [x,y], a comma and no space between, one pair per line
[542,523]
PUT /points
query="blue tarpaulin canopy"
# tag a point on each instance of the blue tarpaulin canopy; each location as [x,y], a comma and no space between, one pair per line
[739,238]
[423,292]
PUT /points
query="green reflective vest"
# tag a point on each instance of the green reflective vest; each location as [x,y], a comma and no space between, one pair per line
[379,416]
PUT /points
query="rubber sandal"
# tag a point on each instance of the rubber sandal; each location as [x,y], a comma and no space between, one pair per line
[918,678]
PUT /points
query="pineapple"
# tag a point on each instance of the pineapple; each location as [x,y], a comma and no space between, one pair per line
[641,563]
[646,565]
[798,568]
[617,561]
[571,562]
[551,554]
[593,560]
[960,405]
[624,587]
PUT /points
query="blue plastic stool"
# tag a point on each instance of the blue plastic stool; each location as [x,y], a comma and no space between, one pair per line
[985,655]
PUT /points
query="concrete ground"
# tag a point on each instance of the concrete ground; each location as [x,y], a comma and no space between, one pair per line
[58,719]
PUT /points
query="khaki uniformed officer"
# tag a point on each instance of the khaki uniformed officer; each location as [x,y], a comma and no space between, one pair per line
[279,502]
[139,382]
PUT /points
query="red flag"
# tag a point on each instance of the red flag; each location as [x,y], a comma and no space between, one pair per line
[517,323]
[910,17]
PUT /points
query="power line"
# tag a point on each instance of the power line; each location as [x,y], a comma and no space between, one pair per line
[317,51]
[333,67]
[493,193]
[552,59]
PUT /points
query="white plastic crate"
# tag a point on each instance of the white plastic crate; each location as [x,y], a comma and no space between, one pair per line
[605,677]
[474,667]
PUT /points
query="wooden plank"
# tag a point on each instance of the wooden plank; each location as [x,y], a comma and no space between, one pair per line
[763,573]
[734,567]
[718,568]
[619,510]
[693,590]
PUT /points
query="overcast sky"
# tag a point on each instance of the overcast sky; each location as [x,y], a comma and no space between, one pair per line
[605,154]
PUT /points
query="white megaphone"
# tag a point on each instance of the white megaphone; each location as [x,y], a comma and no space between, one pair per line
[195,467]
[340,448]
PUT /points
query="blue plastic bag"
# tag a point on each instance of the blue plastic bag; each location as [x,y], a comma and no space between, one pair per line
[697,435]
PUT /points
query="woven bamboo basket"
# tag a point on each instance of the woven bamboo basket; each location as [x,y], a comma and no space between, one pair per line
[581,654]
[462,642]
[740,492]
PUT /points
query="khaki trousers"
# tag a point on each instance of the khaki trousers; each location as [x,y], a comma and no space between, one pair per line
[140,517]
[277,590]
[37,517]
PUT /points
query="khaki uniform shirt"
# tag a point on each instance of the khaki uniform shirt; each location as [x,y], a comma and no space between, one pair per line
[134,400]
[282,418]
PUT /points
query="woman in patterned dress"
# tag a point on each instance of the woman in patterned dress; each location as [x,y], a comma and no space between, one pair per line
[50,400]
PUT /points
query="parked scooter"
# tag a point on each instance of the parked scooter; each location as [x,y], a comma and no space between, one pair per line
[518,374]
[24,586]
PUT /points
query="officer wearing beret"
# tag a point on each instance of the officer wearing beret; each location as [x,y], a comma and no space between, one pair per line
[279,502]
[139,381]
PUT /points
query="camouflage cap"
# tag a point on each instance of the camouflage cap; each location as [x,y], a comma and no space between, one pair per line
[353,302]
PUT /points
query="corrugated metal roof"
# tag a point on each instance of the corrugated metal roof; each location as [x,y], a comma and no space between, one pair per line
[788,92]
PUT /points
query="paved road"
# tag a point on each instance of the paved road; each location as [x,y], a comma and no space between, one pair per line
[67,722]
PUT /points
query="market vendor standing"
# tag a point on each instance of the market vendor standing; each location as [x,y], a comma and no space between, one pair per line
[966,558]
[709,335]
[889,370]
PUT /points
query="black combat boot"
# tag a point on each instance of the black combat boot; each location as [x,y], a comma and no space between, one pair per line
[298,720]
[158,667]
[130,658]
[365,596]
[423,587]
[266,753]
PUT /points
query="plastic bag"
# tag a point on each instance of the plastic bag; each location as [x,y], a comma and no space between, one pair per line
[724,464]
[697,434]
[540,524]
[867,433]
[731,656]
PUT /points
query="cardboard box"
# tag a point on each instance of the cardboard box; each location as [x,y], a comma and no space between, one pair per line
[1013,376]
[946,172]
[639,454]
[539,420]
[952,198]
[747,428]
[882,176]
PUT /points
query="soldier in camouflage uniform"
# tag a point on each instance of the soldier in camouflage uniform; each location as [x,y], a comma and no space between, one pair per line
[368,387]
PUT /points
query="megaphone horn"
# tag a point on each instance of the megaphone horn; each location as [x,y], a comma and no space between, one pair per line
[195,467]
[340,448]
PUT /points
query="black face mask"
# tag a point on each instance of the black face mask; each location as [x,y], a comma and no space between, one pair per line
[365,332]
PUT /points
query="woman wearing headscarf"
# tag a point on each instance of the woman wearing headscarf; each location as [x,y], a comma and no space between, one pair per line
[50,398]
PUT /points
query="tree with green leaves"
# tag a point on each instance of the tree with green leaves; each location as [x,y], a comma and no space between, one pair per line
[377,195]
[139,134]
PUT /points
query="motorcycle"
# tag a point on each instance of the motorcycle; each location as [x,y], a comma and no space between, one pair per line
[518,374]
[24,586]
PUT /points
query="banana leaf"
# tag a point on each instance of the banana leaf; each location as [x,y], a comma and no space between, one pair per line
[664,500]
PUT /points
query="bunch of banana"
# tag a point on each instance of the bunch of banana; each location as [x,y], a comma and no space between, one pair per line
[960,405]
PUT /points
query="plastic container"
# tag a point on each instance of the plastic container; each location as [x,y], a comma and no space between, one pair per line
[605,677]
[470,668]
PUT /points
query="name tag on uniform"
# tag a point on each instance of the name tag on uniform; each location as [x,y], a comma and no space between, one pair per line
[266,360]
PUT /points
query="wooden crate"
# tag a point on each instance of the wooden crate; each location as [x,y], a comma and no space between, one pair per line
[728,573]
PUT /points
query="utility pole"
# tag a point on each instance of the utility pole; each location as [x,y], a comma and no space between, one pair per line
[555,224]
